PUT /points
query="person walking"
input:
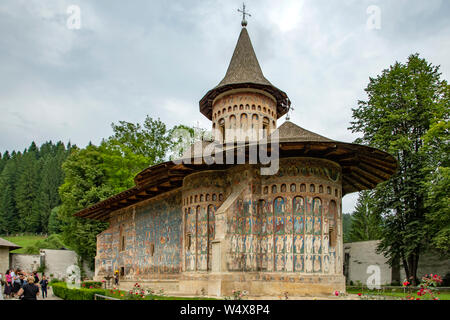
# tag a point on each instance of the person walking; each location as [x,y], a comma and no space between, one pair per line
[8,284]
[29,291]
[44,284]
[36,278]
[15,283]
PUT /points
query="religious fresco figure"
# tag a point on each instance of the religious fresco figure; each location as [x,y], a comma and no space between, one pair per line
[298,225]
[309,225]
[280,262]
[288,243]
[298,205]
[326,264]
[298,244]
[325,243]
[317,206]
[270,244]
[317,266]
[279,226]
[308,263]
[309,244]
[317,244]
[317,225]
[289,224]
[289,263]
[279,243]
[269,225]
[298,263]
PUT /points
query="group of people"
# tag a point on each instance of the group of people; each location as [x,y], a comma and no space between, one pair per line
[19,284]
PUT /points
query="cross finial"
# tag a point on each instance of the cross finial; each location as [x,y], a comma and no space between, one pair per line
[244,13]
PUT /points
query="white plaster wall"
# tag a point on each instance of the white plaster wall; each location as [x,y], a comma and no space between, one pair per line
[25,262]
[4,259]
[362,255]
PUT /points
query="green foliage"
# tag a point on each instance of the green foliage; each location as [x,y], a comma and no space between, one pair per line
[54,241]
[60,290]
[29,182]
[54,222]
[24,241]
[346,226]
[366,221]
[403,103]
[92,284]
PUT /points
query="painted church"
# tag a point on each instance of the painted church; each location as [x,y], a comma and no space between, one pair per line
[210,227]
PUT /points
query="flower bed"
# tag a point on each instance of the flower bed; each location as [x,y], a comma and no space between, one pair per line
[137,293]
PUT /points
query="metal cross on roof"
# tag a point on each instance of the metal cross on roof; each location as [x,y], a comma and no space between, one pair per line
[244,13]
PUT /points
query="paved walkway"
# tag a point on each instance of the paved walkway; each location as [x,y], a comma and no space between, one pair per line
[50,296]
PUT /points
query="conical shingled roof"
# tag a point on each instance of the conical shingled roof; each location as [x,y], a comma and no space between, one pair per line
[244,71]
[244,66]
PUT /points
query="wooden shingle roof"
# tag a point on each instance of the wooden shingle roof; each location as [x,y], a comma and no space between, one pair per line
[244,71]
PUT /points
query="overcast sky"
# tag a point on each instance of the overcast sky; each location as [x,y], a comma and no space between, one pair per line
[135,58]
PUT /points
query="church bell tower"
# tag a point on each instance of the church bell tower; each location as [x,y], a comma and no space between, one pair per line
[244,106]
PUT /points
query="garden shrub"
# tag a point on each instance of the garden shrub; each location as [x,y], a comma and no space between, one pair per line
[93,284]
[61,290]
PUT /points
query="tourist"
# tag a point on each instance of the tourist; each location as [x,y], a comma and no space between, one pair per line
[36,278]
[30,291]
[116,278]
[44,283]
[23,280]
[8,284]
[15,282]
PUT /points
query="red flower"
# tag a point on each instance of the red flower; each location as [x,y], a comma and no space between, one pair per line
[359,294]
[336,293]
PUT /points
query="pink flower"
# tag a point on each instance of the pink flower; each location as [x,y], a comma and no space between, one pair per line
[336,293]
[359,294]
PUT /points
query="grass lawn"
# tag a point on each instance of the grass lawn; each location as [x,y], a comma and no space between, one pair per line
[398,294]
[24,241]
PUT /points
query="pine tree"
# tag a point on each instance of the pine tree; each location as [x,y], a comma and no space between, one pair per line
[365,222]
[26,190]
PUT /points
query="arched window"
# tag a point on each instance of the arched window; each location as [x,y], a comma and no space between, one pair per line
[195,199]
[320,189]
[235,107]
[201,198]
[207,197]
[283,188]
[214,197]
[220,197]
[229,109]
[328,190]
[266,190]
[293,187]
[303,187]
[312,188]
[274,188]
[222,129]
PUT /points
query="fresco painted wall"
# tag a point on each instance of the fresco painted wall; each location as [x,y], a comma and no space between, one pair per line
[203,193]
[144,240]
[294,226]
